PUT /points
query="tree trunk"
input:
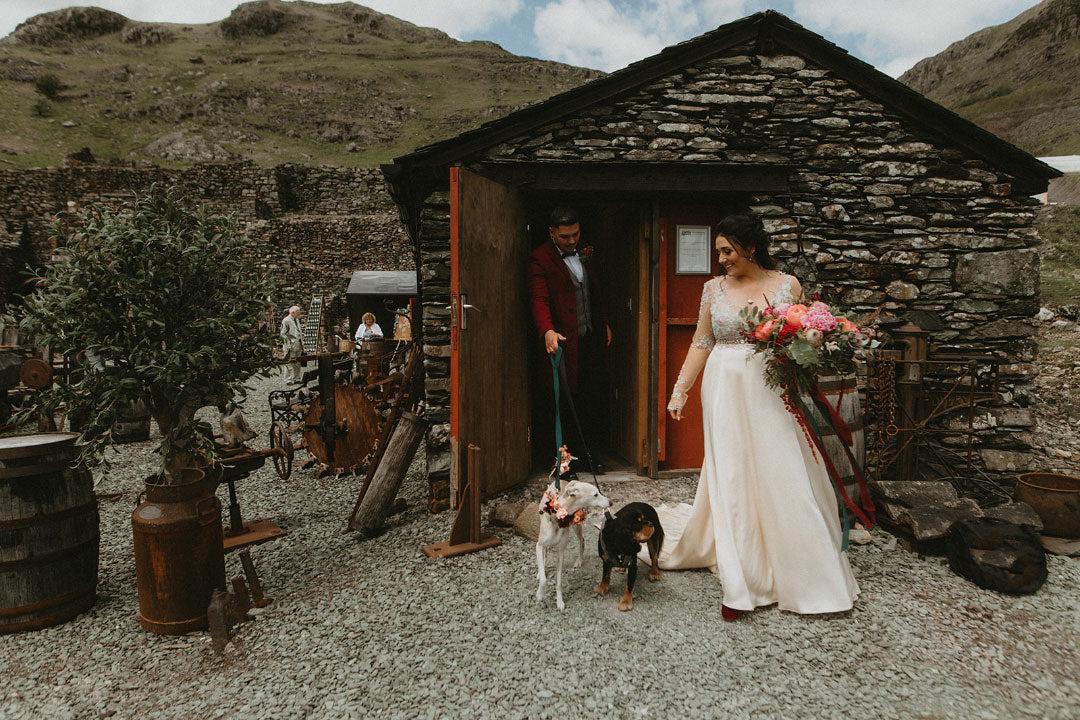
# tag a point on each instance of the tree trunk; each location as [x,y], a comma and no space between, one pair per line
[376,505]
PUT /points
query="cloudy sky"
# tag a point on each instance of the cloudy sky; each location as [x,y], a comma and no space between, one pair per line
[609,34]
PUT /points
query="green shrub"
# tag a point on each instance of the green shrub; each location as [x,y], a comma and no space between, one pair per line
[43,108]
[49,85]
[167,296]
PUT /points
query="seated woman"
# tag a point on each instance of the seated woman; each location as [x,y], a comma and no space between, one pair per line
[368,329]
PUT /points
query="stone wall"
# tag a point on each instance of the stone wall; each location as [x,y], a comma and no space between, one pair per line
[310,226]
[890,217]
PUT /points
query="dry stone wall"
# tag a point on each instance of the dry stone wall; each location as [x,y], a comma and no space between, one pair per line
[890,217]
[310,226]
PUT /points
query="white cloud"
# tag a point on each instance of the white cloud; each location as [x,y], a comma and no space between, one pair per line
[454,17]
[594,33]
[895,34]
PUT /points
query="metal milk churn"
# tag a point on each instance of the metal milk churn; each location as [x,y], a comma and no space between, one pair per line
[179,554]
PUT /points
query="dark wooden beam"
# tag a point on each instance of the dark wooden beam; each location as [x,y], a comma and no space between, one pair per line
[638,176]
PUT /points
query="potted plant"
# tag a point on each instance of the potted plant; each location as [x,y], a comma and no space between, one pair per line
[166,302]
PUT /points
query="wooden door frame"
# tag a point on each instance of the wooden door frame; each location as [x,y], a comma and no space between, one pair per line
[654,341]
[455,337]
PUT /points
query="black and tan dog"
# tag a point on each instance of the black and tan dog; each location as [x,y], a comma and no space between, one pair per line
[620,541]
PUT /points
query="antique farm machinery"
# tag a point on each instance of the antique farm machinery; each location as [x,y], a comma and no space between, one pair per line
[345,407]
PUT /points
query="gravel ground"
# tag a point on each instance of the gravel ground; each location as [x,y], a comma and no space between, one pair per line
[375,629]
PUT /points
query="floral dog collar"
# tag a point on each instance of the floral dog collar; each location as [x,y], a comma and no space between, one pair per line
[550,506]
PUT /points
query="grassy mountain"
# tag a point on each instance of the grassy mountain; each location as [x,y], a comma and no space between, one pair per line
[1020,80]
[274,82]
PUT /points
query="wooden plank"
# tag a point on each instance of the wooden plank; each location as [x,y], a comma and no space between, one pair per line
[408,394]
[661,351]
[642,298]
[494,402]
[369,518]
[654,338]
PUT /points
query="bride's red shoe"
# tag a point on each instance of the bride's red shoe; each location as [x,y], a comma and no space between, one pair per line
[729,613]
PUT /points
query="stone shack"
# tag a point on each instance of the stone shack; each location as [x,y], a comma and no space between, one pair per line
[870,191]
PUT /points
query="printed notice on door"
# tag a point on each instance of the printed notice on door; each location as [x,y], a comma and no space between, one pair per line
[692,250]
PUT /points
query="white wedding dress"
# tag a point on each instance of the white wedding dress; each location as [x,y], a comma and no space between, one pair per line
[765,516]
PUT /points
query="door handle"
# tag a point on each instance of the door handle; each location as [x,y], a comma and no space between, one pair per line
[466,306]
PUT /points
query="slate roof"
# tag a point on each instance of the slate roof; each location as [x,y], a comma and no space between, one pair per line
[771,30]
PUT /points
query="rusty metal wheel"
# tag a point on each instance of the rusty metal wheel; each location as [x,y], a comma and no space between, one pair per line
[35,373]
[280,441]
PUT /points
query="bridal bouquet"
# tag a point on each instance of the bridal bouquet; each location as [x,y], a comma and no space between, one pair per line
[804,342]
[801,344]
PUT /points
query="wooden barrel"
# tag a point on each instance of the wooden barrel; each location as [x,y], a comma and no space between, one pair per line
[133,425]
[842,388]
[48,532]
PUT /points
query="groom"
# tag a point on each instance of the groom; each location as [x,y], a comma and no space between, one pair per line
[568,310]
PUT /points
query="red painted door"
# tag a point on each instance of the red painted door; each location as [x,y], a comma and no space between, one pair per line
[684,268]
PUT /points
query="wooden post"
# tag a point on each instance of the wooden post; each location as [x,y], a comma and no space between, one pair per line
[465,535]
[375,506]
[909,390]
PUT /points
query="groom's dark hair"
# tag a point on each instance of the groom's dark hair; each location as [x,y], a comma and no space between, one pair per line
[563,215]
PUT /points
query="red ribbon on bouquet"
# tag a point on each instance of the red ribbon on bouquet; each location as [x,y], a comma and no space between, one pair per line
[865,514]
[841,427]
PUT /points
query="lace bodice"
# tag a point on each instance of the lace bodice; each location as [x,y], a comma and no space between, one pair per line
[721,322]
[718,322]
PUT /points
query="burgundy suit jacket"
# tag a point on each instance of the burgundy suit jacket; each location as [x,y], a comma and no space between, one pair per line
[551,298]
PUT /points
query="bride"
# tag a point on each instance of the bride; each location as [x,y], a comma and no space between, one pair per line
[765,517]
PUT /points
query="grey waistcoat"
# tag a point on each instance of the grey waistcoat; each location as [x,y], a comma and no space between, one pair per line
[581,298]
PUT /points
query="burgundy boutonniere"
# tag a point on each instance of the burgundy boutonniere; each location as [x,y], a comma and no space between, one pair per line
[586,253]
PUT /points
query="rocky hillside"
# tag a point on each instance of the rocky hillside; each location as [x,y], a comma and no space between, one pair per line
[1020,80]
[274,82]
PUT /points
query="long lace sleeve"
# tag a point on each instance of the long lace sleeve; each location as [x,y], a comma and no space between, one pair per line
[697,354]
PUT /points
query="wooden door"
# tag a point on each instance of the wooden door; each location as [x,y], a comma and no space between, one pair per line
[681,444]
[489,388]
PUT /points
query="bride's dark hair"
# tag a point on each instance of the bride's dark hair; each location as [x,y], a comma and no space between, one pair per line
[748,236]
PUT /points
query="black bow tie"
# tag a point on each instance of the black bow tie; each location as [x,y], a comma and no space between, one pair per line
[568,254]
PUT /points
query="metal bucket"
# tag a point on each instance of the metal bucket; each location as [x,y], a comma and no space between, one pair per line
[842,388]
[179,554]
[1055,499]
[48,532]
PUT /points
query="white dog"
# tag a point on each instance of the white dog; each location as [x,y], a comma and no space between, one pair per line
[558,513]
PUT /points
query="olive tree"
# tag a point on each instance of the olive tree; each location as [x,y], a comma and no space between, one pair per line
[168,307]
